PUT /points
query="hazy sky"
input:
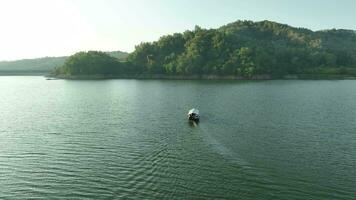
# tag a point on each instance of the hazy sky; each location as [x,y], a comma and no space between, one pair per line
[37,28]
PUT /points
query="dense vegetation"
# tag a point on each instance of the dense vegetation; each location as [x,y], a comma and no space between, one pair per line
[42,65]
[91,63]
[242,48]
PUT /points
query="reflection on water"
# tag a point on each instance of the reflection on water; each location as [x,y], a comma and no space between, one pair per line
[131,139]
[193,123]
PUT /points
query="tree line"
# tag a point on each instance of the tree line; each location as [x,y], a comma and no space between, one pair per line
[242,48]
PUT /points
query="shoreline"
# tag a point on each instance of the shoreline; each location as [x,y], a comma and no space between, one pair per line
[161,77]
[206,77]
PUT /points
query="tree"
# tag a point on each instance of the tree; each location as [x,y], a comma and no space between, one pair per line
[242,48]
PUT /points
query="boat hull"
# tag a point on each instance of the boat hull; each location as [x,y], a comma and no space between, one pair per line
[194,118]
[193,115]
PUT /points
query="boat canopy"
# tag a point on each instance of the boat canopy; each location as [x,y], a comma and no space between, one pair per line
[195,111]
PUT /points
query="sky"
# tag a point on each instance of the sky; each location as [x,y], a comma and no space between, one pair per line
[39,28]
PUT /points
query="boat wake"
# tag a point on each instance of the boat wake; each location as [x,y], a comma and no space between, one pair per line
[218,147]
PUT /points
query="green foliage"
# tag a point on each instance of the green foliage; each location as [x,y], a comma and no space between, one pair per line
[242,48]
[91,63]
[43,65]
[247,48]
[118,54]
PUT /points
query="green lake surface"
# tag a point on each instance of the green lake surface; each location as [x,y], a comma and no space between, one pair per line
[130,139]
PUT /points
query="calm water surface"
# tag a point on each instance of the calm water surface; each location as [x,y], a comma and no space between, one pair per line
[130,139]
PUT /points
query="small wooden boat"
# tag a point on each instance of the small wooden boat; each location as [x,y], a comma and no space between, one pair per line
[193,115]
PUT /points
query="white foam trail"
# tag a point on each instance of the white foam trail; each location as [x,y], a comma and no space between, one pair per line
[220,148]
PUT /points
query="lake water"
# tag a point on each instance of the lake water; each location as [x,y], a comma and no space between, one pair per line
[130,139]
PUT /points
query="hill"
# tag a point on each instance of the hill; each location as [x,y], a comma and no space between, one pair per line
[42,65]
[90,63]
[246,48]
[242,49]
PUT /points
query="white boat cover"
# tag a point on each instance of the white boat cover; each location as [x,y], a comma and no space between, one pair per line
[195,111]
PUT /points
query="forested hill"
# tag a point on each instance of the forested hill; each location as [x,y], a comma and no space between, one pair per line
[42,65]
[247,48]
[242,48]
[31,66]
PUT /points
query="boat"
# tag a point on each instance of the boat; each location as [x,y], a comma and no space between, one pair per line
[193,115]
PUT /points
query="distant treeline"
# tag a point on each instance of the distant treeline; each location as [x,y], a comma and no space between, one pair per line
[31,66]
[42,65]
[242,48]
